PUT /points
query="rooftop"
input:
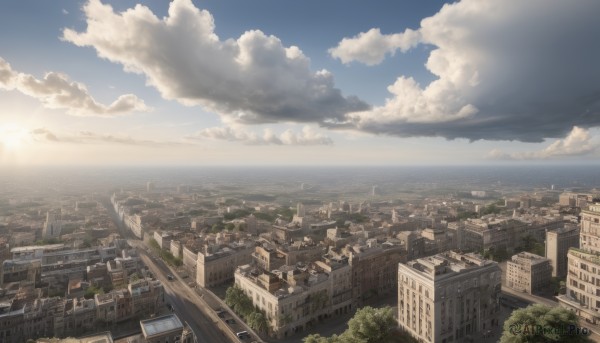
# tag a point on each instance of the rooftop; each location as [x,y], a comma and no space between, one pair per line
[37,247]
[448,264]
[160,325]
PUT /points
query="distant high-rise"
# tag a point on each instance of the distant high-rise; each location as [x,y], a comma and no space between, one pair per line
[300,212]
[149,186]
[52,227]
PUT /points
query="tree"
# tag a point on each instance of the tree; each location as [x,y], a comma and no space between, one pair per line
[316,338]
[91,291]
[370,325]
[134,277]
[540,323]
[258,321]
[238,301]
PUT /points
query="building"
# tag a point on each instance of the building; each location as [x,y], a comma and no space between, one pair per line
[25,270]
[147,297]
[292,298]
[216,265]
[374,270]
[176,248]
[52,227]
[163,239]
[558,242]
[449,297]
[190,256]
[583,285]
[167,328]
[527,272]
[103,337]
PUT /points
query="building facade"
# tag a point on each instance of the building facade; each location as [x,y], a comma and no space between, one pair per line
[558,243]
[583,269]
[215,268]
[449,297]
[527,272]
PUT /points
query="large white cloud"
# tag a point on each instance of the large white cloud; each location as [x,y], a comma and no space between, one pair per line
[254,79]
[578,142]
[56,91]
[308,136]
[506,70]
[371,47]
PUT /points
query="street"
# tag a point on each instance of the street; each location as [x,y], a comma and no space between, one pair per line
[185,302]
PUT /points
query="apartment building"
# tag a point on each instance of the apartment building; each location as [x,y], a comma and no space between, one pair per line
[583,269]
[147,297]
[449,297]
[292,297]
[374,269]
[217,264]
[527,272]
[558,243]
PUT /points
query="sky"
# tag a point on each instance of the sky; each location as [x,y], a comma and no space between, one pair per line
[268,82]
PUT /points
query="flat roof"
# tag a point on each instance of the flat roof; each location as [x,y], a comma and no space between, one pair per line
[159,325]
[38,247]
[104,337]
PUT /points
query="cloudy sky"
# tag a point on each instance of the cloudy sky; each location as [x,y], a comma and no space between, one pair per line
[269,82]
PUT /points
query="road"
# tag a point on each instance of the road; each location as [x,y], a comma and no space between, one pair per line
[185,302]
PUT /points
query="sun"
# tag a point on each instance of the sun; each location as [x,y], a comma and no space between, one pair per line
[12,137]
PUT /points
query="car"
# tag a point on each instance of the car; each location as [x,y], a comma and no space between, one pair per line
[221,314]
[230,321]
[170,277]
[242,334]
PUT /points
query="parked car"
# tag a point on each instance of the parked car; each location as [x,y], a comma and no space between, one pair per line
[243,334]
[170,277]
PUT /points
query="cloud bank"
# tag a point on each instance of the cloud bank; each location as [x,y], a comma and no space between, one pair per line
[578,142]
[56,91]
[307,136]
[89,137]
[506,70]
[253,79]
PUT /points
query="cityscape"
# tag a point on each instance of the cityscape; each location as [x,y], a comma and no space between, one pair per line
[194,171]
[290,255]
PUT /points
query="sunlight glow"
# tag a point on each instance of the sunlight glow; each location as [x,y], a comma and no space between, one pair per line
[12,137]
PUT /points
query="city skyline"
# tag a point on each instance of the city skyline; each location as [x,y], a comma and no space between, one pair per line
[267,83]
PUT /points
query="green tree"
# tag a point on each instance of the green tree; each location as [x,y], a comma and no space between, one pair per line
[370,325]
[91,291]
[153,243]
[316,338]
[238,301]
[134,277]
[258,321]
[539,323]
